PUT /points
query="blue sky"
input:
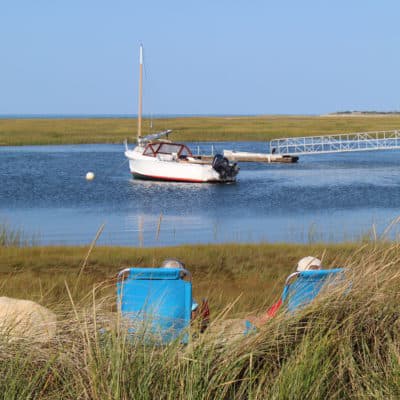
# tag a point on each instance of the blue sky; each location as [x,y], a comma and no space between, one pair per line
[204,57]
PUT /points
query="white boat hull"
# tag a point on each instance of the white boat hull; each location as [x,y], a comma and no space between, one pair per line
[144,167]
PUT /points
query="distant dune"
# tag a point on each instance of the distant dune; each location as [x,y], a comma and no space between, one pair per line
[362,114]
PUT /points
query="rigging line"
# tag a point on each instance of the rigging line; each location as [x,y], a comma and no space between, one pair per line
[118,167]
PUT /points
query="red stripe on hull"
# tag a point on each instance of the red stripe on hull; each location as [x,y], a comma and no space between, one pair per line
[163,178]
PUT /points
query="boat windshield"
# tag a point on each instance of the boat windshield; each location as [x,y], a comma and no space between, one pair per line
[181,150]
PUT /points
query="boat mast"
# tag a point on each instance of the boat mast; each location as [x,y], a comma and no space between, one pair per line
[139,133]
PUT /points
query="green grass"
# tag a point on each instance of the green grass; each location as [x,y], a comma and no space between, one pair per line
[14,237]
[255,272]
[345,345]
[115,130]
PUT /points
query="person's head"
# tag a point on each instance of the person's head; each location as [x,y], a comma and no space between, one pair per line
[172,263]
[175,263]
[308,263]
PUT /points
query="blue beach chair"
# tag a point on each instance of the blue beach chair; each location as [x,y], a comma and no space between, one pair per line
[302,287]
[157,301]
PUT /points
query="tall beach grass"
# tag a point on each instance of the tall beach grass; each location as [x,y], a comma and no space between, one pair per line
[12,237]
[345,345]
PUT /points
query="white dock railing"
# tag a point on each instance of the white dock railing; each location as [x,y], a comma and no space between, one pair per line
[364,141]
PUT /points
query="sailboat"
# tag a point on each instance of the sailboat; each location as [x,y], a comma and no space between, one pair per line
[159,159]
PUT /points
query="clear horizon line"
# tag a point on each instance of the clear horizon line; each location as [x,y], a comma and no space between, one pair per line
[89,115]
[188,115]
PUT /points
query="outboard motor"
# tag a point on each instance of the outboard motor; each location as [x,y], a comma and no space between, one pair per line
[227,171]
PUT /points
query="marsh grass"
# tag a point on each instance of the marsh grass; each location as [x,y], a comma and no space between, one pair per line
[220,272]
[345,345]
[195,129]
[11,237]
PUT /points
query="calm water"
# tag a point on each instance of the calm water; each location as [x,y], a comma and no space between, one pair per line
[338,197]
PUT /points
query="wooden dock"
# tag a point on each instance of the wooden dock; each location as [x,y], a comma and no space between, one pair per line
[259,157]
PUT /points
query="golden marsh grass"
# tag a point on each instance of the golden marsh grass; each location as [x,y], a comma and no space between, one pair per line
[36,131]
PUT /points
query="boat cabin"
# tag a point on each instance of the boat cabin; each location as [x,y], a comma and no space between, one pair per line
[167,150]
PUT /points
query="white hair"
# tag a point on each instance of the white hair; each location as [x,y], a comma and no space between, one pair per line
[307,263]
[172,263]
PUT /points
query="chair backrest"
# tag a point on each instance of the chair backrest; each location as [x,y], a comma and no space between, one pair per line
[157,301]
[302,287]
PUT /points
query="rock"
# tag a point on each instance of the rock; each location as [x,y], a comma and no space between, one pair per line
[25,319]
